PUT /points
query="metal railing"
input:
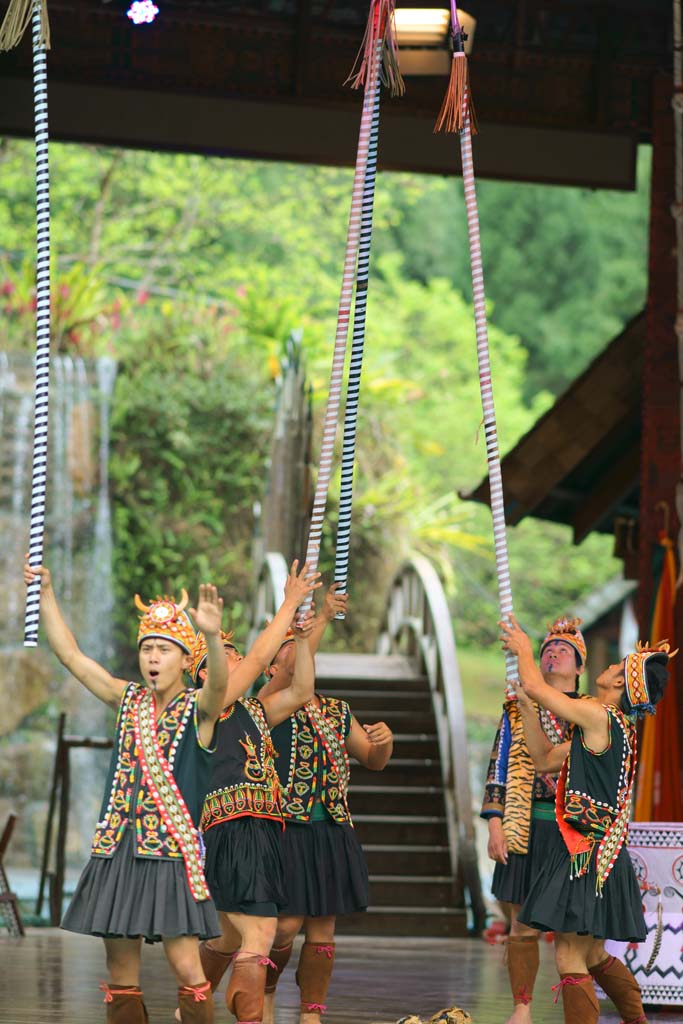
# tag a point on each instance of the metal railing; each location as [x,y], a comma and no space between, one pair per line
[417,623]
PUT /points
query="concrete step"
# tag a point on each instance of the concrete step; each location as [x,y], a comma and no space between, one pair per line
[380,702]
[411,890]
[382,667]
[405,800]
[398,829]
[407,859]
[400,772]
[416,745]
[414,921]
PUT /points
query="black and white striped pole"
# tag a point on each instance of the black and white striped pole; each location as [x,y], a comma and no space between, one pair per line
[341,568]
[15,23]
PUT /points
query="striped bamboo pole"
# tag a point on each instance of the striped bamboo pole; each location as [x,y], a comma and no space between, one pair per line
[457,115]
[343,314]
[341,569]
[39,481]
[18,15]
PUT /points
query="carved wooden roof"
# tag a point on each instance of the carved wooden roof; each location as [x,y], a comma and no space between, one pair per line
[580,462]
[562,87]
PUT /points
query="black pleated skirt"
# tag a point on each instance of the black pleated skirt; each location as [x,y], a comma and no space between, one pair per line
[325,870]
[557,904]
[244,867]
[125,896]
[512,881]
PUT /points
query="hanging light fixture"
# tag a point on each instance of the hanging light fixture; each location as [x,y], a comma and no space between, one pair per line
[422,35]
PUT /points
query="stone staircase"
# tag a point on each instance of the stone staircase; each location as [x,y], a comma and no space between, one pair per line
[399,813]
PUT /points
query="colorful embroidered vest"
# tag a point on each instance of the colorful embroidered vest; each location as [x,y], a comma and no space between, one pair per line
[244,782]
[158,775]
[312,760]
[593,803]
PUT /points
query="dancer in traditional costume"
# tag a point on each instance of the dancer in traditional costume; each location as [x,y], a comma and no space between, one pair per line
[242,817]
[586,890]
[519,804]
[325,869]
[145,878]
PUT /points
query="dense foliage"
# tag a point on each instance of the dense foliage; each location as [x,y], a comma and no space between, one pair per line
[192,271]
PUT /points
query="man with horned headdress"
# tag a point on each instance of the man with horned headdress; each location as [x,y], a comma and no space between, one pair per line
[145,879]
[586,890]
[519,806]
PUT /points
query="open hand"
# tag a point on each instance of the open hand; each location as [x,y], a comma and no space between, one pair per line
[302,630]
[379,734]
[300,584]
[334,602]
[31,573]
[513,638]
[208,614]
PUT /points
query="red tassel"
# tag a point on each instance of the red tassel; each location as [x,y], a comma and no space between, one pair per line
[457,103]
[379,29]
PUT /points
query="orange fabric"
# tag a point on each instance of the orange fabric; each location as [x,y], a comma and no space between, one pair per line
[658,796]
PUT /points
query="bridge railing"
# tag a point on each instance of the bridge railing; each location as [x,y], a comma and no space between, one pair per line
[268,592]
[417,623]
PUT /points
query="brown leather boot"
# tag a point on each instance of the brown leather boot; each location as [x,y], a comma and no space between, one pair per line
[246,988]
[522,962]
[214,963]
[196,1003]
[313,975]
[125,1004]
[279,958]
[579,999]
[618,983]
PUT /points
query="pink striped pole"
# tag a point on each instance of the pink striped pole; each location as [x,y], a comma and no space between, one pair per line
[343,315]
[486,388]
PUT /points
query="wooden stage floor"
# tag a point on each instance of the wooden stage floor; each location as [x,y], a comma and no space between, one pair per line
[53,976]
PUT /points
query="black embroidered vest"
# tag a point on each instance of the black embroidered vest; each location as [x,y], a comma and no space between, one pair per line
[158,775]
[312,760]
[244,781]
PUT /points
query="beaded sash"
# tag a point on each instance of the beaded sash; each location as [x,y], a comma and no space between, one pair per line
[168,799]
[336,750]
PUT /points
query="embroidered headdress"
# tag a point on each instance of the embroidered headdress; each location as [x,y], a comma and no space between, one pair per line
[568,631]
[645,676]
[200,651]
[166,620]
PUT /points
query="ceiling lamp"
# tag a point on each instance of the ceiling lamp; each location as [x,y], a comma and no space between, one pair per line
[422,34]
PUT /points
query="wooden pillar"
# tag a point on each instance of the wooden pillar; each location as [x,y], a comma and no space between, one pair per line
[661,445]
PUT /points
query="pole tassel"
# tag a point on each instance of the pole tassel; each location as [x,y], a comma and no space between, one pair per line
[16,21]
[380,28]
[457,106]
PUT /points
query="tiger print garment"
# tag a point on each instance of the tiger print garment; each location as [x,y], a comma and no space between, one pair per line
[512,783]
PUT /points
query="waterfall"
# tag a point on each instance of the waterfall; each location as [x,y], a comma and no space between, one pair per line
[78,550]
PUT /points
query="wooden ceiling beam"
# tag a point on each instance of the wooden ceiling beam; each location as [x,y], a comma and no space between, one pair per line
[614,486]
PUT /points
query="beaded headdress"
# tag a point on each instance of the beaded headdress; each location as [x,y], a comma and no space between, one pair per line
[568,631]
[645,675]
[166,620]
[200,651]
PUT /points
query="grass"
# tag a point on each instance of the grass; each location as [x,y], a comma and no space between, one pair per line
[482,672]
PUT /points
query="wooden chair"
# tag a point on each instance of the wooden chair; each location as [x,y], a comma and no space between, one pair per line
[9,904]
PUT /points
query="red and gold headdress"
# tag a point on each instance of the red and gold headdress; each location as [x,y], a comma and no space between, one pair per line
[166,620]
[200,651]
[568,631]
[644,685]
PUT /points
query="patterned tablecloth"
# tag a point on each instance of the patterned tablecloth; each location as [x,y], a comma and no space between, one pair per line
[656,849]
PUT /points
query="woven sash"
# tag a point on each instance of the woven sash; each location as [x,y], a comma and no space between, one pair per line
[166,795]
[335,747]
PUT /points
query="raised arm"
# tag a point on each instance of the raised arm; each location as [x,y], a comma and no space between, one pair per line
[212,696]
[332,604]
[102,684]
[590,715]
[372,745]
[281,704]
[546,757]
[267,643]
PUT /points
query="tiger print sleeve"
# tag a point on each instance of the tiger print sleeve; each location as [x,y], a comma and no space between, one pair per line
[493,805]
